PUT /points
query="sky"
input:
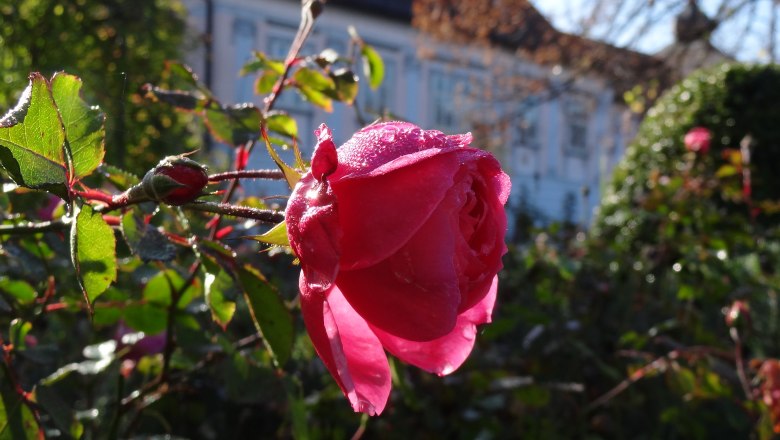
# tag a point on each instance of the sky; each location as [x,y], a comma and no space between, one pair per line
[567,15]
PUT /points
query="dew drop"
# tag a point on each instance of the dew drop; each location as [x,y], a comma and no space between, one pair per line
[446,369]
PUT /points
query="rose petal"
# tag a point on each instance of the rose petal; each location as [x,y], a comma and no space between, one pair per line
[480,257]
[444,355]
[349,349]
[379,145]
[414,293]
[380,214]
[314,232]
[324,160]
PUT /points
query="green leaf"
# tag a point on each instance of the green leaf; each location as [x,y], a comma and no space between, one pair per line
[160,288]
[282,123]
[310,78]
[216,284]
[32,138]
[261,62]
[316,97]
[148,318]
[105,315]
[234,125]
[269,314]
[17,333]
[21,290]
[726,171]
[179,76]
[187,101]
[118,177]
[373,66]
[346,85]
[16,420]
[265,82]
[276,235]
[84,124]
[291,175]
[145,240]
[686,293]
[93,251]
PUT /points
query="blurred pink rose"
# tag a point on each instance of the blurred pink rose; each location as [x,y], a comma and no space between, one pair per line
[139,344]
[400,234]
[698,140]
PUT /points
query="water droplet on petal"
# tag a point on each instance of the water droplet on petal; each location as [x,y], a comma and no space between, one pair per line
[446,369]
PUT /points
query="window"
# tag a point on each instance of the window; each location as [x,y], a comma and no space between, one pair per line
[528,123]
[577,125]
[244,42]
[448,93]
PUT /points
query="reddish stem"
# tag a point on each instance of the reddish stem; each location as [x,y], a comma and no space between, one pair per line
[92,194]
[247,174]
[112,220]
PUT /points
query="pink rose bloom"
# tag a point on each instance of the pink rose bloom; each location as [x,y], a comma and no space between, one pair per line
[140,345]
[698,140]
[400,234]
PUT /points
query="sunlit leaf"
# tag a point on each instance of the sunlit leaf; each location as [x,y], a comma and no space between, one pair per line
[275,236]
[234,125]
[32,139]
[84,124]
[216,284]
[291,175]
[282,123]
[317,98]
[17,332]
[179,76]
[269,313]
[346,85]
[310,78]
[262,62]
[93,251]
[21,290]
[265,82]
[188,101]
[160,289]
[373,66]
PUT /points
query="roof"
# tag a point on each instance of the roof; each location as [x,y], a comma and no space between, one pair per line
[400,10]
[518,26]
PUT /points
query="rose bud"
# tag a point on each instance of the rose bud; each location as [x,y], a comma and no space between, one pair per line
[400,234]
[176,180]
[698,140]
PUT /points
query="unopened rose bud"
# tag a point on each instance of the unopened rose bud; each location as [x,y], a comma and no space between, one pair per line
[698,140]
[176,180]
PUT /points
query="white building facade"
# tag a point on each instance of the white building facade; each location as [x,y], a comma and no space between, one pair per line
[558,144]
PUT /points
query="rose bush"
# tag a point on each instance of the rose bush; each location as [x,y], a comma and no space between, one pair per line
[400,234]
